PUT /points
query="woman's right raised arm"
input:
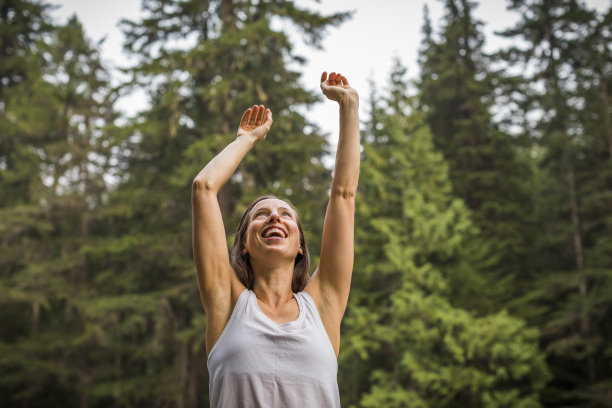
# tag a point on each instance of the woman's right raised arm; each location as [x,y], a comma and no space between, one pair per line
[215,275]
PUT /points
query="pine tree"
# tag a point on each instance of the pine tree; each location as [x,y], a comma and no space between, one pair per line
[23,23]
[401,332]
[60,116]
[568,55]
[486,170]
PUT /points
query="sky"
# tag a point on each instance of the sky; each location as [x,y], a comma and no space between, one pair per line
[362,47]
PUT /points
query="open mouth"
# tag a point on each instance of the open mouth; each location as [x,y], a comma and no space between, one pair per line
[274,233]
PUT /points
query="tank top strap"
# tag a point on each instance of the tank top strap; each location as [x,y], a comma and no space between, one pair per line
[306,302]
[241,306]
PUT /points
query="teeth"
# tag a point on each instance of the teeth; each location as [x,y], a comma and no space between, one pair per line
[271,231]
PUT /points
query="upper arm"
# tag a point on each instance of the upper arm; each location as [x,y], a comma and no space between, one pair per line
[332,279]
[215,274]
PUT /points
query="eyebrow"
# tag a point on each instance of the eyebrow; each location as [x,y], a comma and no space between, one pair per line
[268,209]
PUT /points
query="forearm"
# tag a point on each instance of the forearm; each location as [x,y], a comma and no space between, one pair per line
[346,171]
[218,171]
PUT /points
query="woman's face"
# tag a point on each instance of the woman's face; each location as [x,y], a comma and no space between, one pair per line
[273,230]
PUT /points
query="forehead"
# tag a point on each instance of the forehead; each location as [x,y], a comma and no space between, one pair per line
[272,204]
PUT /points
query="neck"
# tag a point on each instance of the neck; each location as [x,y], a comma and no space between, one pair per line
[272,285]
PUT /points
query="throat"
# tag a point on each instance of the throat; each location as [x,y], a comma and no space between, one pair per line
[284,311]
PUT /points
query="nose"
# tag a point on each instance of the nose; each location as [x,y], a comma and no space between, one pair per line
[274,216]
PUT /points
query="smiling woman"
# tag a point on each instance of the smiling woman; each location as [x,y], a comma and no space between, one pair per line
[273,332]
[240,255]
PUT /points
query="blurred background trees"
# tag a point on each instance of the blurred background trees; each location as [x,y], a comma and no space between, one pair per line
[483,273]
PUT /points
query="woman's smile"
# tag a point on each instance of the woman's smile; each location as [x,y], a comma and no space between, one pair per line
[274,225]
[274,232]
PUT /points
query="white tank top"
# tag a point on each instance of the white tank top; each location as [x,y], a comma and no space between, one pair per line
[259,363]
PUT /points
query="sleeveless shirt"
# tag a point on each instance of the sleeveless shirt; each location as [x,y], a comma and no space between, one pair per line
[259,363]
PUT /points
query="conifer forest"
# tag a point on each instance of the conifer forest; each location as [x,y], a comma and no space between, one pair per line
[483,246]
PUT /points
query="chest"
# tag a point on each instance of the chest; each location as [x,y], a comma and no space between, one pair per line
[267,350]
[254,343]
[289,312]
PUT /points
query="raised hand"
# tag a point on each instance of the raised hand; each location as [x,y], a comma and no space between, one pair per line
[255,123]
[337,88]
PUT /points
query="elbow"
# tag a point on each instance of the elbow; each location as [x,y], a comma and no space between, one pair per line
[346,193]
[201,185]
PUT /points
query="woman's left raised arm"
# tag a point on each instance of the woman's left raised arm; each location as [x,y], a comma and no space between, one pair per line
[332,279]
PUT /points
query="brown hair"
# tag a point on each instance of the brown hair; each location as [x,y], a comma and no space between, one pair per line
[242,265]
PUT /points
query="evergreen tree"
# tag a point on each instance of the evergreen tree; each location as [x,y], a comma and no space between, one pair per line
[402,333]
[23,23]
[485,169]
[58,121]
[568,55]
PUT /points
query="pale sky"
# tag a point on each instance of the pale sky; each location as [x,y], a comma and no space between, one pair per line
[364,45]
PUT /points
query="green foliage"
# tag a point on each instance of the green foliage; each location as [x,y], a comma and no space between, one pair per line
[457,94]
[445,357]
[56,121]
[418,348]
[567,47]
[471,228]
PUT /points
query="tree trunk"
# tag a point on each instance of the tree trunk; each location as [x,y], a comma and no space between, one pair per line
[117,391]
[228,17]
[183,367]
[585,324]
[35,318]
[605,98]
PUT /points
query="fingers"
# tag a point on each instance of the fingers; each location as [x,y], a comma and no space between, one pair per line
[255,116]
[260,115]
[341,79]
[245,117]
[335,78]
[254,119]
[268,118]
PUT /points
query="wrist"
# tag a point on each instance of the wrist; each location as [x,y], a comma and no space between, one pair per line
[247,139]
[350,99]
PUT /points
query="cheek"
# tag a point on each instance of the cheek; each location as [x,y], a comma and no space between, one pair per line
[249,233]
[296,232]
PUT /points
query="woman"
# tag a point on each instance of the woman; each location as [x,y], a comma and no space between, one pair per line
[272,334]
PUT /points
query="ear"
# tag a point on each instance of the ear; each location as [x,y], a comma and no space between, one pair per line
[300,251]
